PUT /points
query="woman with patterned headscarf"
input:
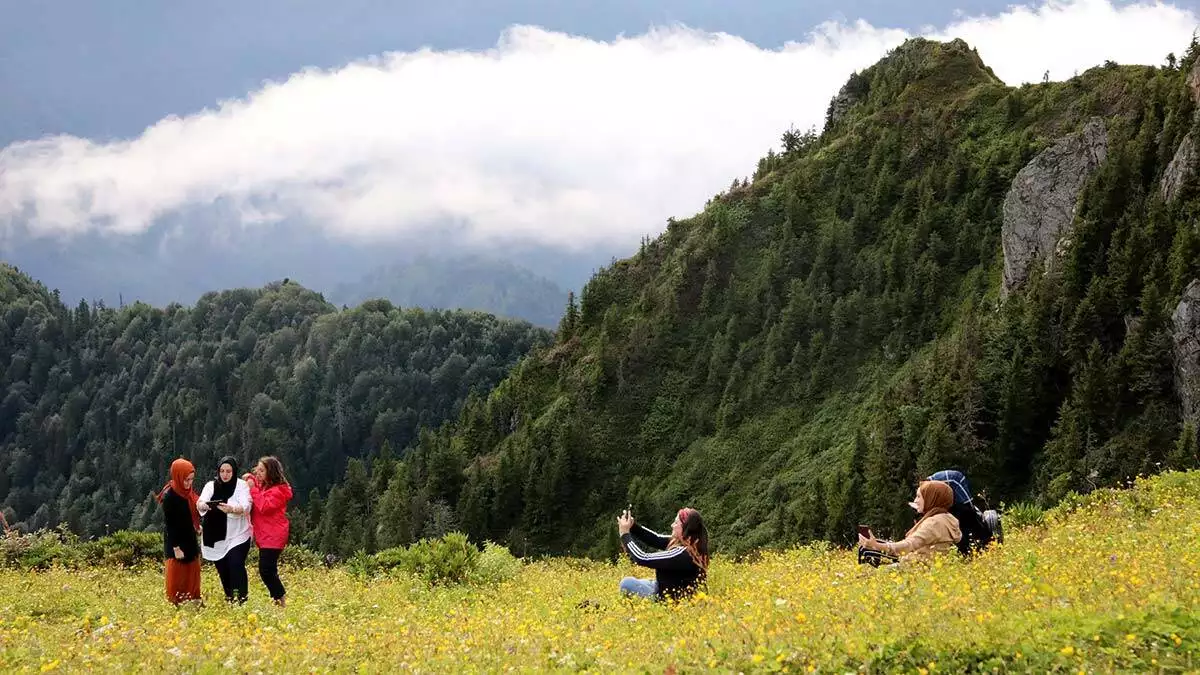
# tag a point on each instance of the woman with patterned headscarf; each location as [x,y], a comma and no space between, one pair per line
[181,523]
[679,569]
[225,526]
[936,531]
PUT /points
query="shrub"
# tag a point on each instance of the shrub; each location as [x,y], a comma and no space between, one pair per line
[44,549]
[299,557]
[495,565]
[448,560]
[41,550]
[124,548]
[391,559]
[1070,503]
[451,559]
[1024,514]
[362,564]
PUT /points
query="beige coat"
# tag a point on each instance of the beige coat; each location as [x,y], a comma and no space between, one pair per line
[934,535]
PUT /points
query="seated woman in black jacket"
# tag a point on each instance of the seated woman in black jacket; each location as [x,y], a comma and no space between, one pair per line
[679,569]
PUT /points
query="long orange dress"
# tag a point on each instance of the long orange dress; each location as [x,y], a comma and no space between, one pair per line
[183,580]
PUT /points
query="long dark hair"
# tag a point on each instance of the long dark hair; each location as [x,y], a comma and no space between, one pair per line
[274,470]
[694,537]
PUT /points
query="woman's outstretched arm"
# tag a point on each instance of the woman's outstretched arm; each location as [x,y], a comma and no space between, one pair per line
[649,537]
[675,559]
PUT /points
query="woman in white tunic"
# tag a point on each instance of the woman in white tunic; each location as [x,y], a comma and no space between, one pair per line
[224,507]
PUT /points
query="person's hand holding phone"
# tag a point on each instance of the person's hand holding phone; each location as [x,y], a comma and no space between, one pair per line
[625,522]
[866,538]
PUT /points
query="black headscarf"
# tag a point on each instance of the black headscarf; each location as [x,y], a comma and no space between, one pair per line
[214,521]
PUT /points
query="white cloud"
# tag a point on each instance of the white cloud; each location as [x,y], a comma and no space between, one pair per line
[557,138]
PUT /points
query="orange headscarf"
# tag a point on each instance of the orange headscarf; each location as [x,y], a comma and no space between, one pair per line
[180,469]
[938,498]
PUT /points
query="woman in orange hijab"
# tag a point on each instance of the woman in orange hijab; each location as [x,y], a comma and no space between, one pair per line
[936,531]
[182,524]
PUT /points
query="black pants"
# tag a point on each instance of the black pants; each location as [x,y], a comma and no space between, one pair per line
[976,535]
[232,570]
[268,569]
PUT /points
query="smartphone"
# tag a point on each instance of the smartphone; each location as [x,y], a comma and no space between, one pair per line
[864,531]
[214,502]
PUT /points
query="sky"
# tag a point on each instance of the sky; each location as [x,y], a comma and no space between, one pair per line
[568,124]
[112,68]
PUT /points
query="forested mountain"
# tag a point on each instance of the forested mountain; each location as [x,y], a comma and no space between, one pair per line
[954,273]
[467,282]
[98,401]
[183,258]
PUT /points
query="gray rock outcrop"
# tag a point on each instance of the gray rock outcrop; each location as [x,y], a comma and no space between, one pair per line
[1187,158]
[851,93]
[1181,168]
[1040,206]
[840,105]
[1186,321]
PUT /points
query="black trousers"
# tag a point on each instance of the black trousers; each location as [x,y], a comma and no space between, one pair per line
[232,570]
[976,535]
[268,569]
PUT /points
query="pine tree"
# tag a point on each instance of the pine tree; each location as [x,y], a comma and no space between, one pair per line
[393,512]
[475,505]
[570,320]
[846,496]
[777,496]
[313,516]
[1186,453]
[441,521]
[333,521]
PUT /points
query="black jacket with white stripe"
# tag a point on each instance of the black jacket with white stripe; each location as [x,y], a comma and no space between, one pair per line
[677,573]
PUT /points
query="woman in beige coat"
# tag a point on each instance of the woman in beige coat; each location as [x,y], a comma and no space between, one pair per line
[936,531]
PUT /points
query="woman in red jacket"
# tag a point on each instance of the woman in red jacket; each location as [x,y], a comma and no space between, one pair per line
[269,495]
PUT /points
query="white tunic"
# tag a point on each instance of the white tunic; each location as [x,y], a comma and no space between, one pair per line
[237,527]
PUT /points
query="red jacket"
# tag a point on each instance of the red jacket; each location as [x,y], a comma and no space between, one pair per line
[268,514]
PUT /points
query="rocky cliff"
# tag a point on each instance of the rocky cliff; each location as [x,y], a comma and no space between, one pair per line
[1040,205]
[1183,165]
[1186,320]
[1181,168]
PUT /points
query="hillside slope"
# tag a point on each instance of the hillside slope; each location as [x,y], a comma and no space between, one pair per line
[1106,584]
[791,358]
[98,401]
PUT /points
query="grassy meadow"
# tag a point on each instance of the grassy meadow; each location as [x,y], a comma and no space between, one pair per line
[1104,583]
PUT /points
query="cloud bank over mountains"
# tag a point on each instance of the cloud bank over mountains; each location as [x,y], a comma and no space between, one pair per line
[547,137]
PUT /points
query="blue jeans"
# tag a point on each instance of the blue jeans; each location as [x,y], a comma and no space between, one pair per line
[642,588]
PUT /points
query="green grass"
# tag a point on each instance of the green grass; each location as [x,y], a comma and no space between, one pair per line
[1106,583]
